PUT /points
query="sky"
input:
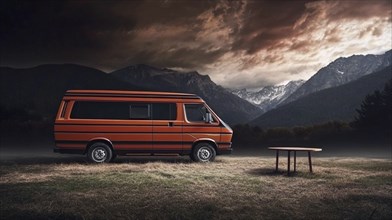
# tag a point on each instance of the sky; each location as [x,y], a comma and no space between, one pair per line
[239,44]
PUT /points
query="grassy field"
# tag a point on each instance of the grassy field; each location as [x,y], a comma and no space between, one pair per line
[230,188]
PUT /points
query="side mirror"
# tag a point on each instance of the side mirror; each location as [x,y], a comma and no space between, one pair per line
[208,118]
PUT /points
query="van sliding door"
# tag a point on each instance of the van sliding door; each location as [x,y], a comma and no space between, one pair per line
[139,138]
[167,130]
[134,135]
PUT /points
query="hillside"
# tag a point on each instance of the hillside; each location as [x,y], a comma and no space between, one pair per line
[338,103]
[39,90]
[36,92]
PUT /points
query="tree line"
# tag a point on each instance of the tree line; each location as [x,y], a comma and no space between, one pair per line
[373,121]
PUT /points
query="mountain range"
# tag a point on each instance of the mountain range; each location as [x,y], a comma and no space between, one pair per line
[341,71]
[228,106]
[336,103]
[270,96]
[332,93]
[38,90]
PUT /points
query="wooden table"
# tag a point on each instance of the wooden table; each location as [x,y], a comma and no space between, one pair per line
[294,149]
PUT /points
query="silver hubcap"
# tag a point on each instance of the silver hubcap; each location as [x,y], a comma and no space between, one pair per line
[204,153]
[99,154]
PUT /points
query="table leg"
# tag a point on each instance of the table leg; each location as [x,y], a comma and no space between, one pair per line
[295,161]
[288,162]
[310,162]
[277,160]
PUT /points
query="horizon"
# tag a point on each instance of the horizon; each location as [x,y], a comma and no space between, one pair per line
[252,90]
[237,44]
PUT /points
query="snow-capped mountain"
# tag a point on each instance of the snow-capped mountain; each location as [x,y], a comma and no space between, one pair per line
[269,97]
[333,104]
[341,71]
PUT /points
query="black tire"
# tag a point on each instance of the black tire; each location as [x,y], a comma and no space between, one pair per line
[203,152]
[99,153]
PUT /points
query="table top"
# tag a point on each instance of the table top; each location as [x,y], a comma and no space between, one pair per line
[296,148]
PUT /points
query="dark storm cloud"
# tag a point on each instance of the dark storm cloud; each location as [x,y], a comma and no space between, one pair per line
[153,12]
[184,34]
[89,31]
[50,31]
[268,22]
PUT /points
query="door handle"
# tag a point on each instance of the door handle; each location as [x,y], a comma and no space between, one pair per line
[170,124]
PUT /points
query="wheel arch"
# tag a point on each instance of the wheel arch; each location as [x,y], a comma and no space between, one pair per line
[205,140]
[99,139]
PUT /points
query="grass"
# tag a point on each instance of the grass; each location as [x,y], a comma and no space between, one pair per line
[230,188]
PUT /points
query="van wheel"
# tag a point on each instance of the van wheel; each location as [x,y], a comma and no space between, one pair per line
[203,152]
[99,153]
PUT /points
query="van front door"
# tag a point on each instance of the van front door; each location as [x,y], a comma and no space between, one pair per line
[196,128]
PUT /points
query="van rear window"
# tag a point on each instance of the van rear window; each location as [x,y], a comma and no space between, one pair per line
[100,110]
[123,110]
[139,111]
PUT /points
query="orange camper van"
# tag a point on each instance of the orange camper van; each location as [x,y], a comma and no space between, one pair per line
[103,124]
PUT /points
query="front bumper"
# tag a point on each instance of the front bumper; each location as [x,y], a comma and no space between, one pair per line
[225,149]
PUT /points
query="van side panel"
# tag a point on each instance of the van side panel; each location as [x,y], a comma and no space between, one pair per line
[74,135]
[167,138]
[132,136]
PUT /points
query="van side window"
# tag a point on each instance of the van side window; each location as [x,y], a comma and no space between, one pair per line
[100,110]
[195,112]
[164,111]
[139,111]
